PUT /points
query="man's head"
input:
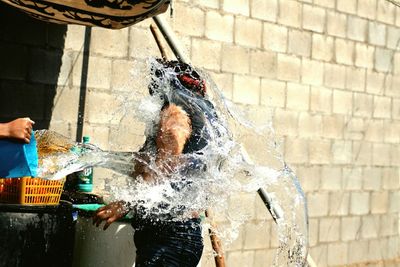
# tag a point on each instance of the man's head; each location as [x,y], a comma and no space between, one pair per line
[179,84]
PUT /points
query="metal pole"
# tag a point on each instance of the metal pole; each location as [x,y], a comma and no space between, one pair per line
[170,38]
[83,89]
[273,210]
[156,35]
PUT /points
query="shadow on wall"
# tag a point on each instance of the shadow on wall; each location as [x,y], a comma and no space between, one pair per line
[30,60]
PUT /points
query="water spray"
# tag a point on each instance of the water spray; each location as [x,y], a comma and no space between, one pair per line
[273,208]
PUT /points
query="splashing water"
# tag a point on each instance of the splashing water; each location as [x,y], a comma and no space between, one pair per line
[223,168]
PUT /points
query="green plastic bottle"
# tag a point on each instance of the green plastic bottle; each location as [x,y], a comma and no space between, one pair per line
[85,177]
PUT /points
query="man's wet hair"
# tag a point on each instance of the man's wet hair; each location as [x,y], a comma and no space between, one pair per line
[186,75]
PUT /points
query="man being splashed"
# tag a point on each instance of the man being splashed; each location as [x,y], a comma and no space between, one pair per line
[181,131]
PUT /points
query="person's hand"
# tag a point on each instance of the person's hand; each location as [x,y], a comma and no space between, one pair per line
[20,129]
[110,213]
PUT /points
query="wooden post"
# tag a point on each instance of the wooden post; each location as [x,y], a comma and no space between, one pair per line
[215,241]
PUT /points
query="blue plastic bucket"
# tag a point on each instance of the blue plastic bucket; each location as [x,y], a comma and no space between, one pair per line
[18,159]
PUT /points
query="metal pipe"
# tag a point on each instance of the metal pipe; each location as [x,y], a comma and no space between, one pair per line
[83,89]
[275,211]
[170,38]
[156,35]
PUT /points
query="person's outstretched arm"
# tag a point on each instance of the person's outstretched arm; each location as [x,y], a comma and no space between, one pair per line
[19,129]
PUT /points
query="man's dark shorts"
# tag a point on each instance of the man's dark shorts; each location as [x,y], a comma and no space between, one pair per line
[171,244]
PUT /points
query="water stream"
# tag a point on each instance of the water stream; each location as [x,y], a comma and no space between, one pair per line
[237,158]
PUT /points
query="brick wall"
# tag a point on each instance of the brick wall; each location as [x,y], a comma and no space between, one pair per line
[328,70]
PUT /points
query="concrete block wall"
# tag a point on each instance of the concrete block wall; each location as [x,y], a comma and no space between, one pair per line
[327,70]
[30,63]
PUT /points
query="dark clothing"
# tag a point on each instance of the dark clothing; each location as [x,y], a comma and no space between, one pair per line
[202,115]
[168,244]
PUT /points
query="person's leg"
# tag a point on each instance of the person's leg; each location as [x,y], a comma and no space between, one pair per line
[188,235]
[178,245]
[149,251]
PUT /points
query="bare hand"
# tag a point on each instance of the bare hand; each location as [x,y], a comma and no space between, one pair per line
[20,129]
[110,213]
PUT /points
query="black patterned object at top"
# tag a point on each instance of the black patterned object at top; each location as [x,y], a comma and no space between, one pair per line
[120,4]
[114,14]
